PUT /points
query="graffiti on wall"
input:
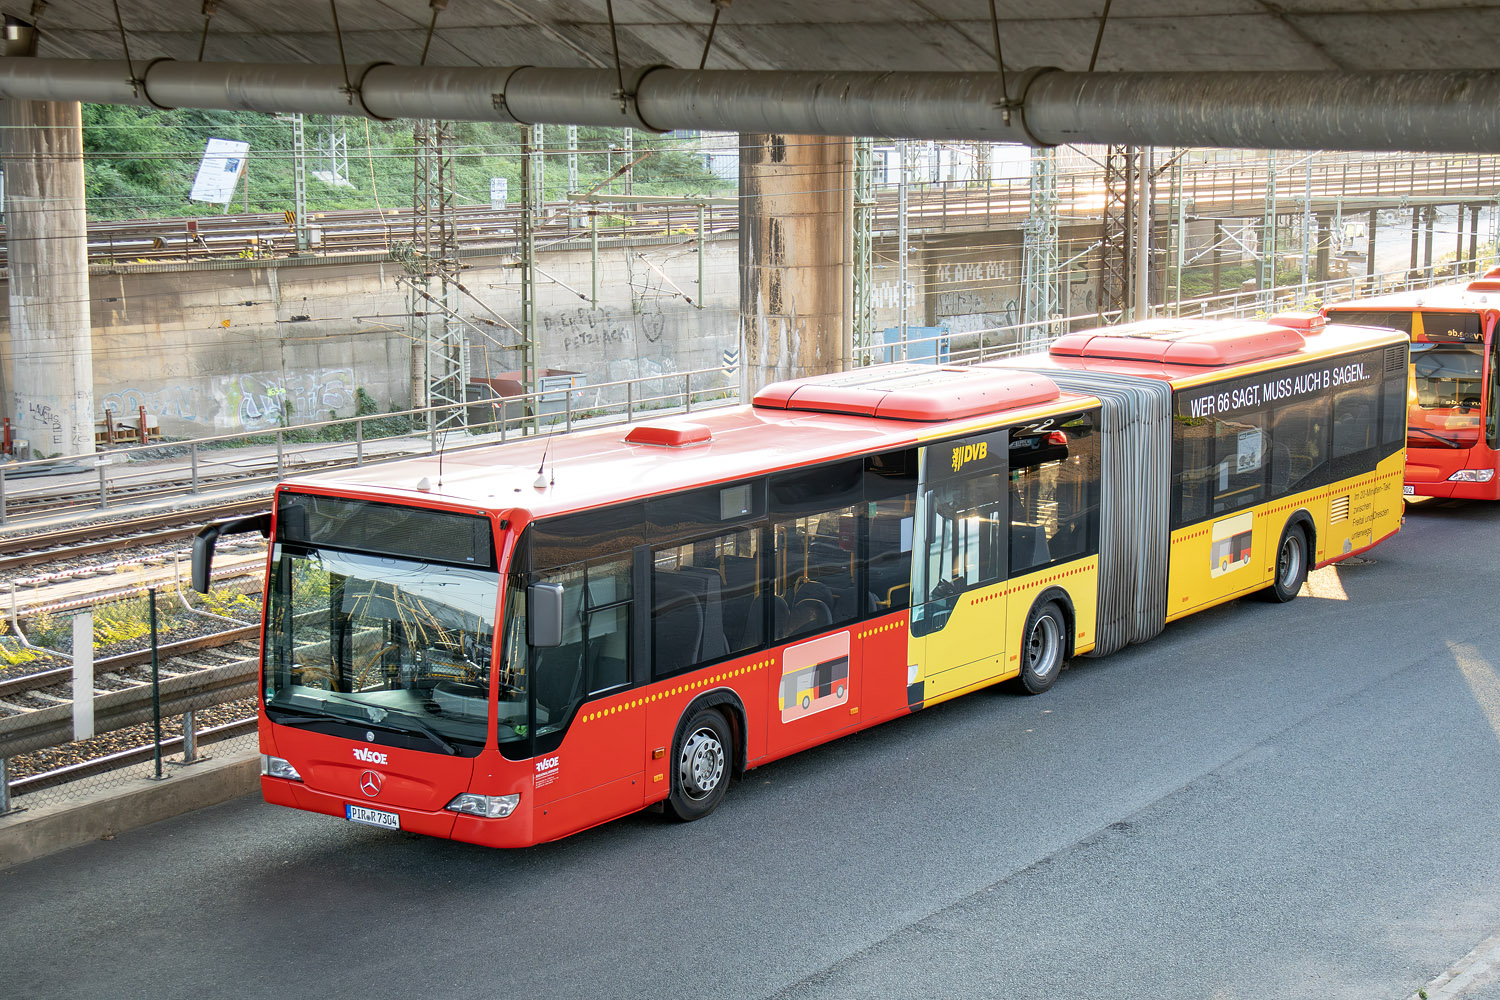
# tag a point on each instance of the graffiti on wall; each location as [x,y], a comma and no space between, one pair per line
[265,399]
[178,402]
[976,271]
[45,416]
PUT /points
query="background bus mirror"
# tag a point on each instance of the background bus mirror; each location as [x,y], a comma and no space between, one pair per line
[544,615]
[208,537]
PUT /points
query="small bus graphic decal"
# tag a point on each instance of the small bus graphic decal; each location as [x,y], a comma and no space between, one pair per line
[814,676]
[1230,549]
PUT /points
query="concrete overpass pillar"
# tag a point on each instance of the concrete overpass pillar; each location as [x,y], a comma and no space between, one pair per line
[51,398]
[796,256]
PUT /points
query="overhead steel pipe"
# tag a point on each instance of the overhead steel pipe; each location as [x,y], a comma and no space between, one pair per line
[1428,110]
[1448,110]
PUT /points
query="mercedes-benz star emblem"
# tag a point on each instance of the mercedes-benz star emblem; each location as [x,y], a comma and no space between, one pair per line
[369,736]
[370,783]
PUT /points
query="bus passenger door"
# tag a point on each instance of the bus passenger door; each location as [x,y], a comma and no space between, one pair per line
[958,624]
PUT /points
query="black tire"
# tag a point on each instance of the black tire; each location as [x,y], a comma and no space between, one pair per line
[701,761]
[1291,566]
[1044,644]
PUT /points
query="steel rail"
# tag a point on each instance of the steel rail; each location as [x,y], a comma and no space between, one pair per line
[135,658]
[28,550]
[52,726]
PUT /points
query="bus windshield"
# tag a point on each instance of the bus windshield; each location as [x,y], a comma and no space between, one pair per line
[399,647]
[1445,407]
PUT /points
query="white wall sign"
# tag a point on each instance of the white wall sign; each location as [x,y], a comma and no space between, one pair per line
[223,162]
[499,190]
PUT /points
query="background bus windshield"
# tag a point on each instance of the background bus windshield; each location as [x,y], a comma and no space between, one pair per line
[1448,386]
[389,645]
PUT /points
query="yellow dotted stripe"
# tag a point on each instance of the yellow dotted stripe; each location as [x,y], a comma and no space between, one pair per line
[686,687]
[1039,582]
[889,626]
[1300,502]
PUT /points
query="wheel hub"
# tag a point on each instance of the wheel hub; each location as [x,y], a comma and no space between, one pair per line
[701,766]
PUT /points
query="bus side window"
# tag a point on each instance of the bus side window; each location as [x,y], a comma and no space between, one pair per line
[1194,467]
[1054,495]
[815,531]
[1356,424]
[1299,445]
[891,494]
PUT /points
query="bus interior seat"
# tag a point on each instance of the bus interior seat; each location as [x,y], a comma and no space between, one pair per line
[678,621]
[706,586]
[559,679]
[740,574]
[755,618]
[809,615]
[1028,546]
[608,666]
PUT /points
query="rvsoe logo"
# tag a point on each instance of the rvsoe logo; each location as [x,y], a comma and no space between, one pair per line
[369,756]
[546,764]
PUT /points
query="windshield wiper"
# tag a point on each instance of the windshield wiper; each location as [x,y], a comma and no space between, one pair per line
[1450,442]
[424,729]
[411,720]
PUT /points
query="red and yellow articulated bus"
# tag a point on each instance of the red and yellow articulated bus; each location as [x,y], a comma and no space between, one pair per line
[1453,421]
[471,649]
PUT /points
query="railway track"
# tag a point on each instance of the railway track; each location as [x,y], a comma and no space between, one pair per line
[112,536]
[1214,189]
[171,660]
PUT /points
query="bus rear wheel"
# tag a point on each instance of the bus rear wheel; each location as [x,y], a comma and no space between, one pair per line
[1291,566]
[701,763]
[1042,648]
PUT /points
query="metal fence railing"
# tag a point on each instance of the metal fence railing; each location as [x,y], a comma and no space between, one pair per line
[989,343]
[136,473]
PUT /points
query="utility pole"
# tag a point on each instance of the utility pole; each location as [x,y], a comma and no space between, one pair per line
[299,182]
[1039,293]
[863,319]
[530,199]
[438,338]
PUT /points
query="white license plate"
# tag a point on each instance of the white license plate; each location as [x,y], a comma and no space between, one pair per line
[374,817]
[1409,490]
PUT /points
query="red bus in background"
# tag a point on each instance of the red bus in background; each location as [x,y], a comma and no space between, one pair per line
[464,648]
[1453,417]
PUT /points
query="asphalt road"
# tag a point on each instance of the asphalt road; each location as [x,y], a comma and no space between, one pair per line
[1266,801]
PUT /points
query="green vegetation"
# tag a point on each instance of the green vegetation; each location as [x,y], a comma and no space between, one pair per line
[140,162]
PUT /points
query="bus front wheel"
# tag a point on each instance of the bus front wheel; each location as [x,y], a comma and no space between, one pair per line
[1043,645]
[1291,565]
[700,766]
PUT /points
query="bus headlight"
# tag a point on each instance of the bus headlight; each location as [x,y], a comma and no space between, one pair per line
[275,767]
[487,806]
[1472,476]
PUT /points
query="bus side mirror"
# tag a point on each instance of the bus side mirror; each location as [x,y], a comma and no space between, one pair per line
[208,537]
[544,615]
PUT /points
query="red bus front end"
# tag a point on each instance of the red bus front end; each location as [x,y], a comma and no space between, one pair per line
[1451,436]
[1453,413]
[385,696]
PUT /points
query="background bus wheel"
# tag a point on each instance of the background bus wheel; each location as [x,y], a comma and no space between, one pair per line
[1042,648]
[1291,565]
[700,766]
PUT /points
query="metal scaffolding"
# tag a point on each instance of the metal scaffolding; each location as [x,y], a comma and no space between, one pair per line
[1121,164]
[436,322]
[333,154]
[1267,276]
[531,199]
[1039,289]
[299,182]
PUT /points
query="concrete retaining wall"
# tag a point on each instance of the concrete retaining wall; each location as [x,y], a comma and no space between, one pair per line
[225,346]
